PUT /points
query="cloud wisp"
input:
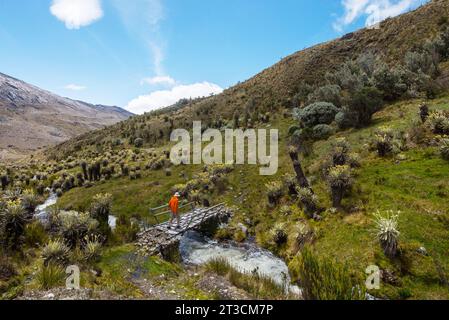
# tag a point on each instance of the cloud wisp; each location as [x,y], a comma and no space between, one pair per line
[77,13]
[164,98]
[375,11]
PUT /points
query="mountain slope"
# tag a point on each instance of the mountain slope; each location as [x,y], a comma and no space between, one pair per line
[275,87]
[32,118]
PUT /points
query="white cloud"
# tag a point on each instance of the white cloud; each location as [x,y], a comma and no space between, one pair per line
[165,98]
[77,13]
[159,80]
[142,19]
[375,11]
[75,87]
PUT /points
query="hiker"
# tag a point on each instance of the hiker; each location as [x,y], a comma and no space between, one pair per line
[174,206]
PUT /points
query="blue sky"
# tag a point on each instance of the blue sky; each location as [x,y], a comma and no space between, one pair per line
[145,54]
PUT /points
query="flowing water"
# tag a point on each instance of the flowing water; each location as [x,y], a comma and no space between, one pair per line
[197,249]
[42,211]
[247,258]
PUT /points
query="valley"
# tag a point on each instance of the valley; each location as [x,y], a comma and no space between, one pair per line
[362,181]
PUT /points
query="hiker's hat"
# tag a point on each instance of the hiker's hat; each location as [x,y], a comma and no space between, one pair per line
[177,194]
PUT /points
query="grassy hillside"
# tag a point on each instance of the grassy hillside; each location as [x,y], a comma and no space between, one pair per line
[274,89]
[414,183]
[368,117]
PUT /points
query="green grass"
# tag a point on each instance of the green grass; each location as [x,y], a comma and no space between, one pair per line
[417,186]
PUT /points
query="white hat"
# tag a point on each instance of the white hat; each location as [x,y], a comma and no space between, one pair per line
[177,194]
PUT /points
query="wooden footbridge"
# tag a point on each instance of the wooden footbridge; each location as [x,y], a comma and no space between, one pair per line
[163,238]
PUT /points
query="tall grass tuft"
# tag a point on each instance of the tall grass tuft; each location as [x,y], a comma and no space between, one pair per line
[50,276]
[323,279]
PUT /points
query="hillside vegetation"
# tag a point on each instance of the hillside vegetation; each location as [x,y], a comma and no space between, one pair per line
[362,180]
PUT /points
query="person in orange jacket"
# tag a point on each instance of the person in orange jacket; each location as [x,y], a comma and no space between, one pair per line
[174,207]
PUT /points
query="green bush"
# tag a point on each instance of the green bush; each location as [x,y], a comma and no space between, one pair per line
[339,179]
[279,234]
[35,234]
[322,131]
[55,252]
[438,122]
[309,200]
[362,106]
[324,279]
[384,141]
[328,93]
[50,276]
[100,210]
[29,200]
[444,149]
[317,113]
[390,81]
[92,249]
[274,192]
[74,227]
[12,224]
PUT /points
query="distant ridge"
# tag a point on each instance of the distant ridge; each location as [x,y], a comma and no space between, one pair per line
[32,118]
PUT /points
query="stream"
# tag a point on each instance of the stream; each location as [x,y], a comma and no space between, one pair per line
[197,249]
[42,211]
[247,258]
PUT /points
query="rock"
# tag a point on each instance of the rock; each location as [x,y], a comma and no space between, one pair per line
[49,296]
[422,251]
[243,228]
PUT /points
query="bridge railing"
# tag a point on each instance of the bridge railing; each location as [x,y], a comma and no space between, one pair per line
[158,214]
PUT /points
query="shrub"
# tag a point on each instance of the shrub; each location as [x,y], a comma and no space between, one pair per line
[29,200]
[438,122]
[384,141]
[324,279]
[126,230]
[35,234]
[390,81]
[340,151]
[50,276]
[304,90]
[424,61]
[309,200]
[349,76]
[7,269]
[444,149]
[100,210]
[328,93]
[55,252]
[290,184]
[387,232]
[317,113]
[138,143]
[340,180]
[12,223]
[343,119]
[278,234]
[424,112]
[274,192]
[362,106]
[303,234]
[74,227]
[322,131]
[92,249]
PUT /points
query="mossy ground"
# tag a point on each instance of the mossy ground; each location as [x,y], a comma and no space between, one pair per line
[417,185]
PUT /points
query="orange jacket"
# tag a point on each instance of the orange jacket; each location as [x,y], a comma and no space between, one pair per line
[174,204]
